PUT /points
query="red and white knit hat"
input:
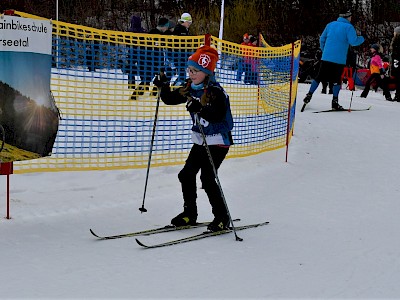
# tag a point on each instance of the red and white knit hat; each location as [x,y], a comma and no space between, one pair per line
[205,59]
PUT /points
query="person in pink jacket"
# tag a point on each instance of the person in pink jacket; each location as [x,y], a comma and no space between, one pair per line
[377,74]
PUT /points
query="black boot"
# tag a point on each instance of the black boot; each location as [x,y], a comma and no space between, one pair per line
[187,217]
[137,91]
[364,95]
[189,193]
[134,95]
[388,97]
[221,218]
[219,223]
[143,86]
[336,105]
[307,99]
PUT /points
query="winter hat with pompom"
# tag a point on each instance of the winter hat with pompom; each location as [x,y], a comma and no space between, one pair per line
[205,59]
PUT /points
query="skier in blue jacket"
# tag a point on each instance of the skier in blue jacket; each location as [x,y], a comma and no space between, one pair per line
[334,42]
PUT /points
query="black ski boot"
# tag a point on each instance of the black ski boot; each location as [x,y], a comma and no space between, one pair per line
[336,105]
[218,224]
[134,95]
[143,86]
[388,97]
[307,99]
[184,218]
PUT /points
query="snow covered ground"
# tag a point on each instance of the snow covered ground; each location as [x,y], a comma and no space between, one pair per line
[333,209]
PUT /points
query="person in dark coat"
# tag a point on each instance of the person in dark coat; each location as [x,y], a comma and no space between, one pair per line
[241,67]
[208,105]
[179,56]
[131,65]
[136,25]
[92,52]
[156,61]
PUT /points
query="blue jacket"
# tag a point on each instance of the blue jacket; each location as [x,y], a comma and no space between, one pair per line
[336,39]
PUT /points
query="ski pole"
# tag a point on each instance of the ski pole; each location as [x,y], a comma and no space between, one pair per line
[353,85]
[351,100]
[216,175]
[142,209]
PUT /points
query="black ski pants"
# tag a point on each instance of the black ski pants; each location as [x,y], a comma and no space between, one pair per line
[198,160]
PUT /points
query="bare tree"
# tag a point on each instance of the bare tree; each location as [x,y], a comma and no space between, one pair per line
[281,21]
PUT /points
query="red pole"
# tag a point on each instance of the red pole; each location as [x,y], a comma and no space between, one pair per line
[9,12]
[8,196]
[7,169]
[207,39]
[290,102]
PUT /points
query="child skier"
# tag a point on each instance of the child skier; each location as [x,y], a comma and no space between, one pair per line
[377,73]
[207,102]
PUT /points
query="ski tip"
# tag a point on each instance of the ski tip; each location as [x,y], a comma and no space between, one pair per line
[263,223]
[368,108]
[92,232]
[140,243]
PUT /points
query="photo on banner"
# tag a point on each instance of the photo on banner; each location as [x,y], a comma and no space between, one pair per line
[29,118]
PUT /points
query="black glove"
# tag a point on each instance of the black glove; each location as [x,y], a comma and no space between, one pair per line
[161,80]
[193,105]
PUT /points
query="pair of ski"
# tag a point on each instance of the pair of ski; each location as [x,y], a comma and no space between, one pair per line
[332,110]
[169,228]
[344,109]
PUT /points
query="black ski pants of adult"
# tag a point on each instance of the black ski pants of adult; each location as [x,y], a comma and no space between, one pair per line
[330,72]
